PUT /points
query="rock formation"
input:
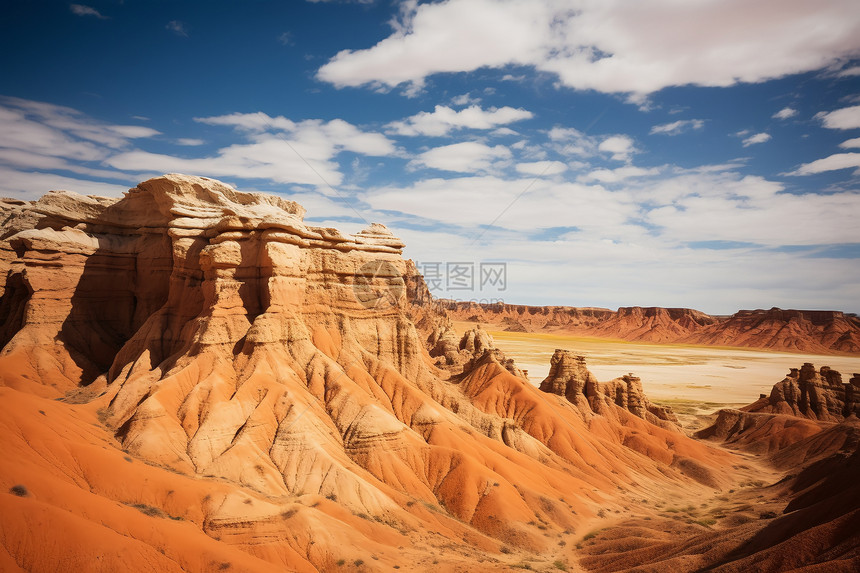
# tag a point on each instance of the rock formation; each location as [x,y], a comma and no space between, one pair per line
[797,407]
[267,379]
[818,395]
[569,377]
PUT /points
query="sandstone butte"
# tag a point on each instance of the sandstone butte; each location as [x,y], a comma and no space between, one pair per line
[193,379]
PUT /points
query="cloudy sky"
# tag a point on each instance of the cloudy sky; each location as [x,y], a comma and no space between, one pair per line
[697,153]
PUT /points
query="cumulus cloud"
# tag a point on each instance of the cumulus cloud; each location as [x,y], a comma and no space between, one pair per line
[619,146]
[785,113]
[845,118]
[850,143]
[610,46]
[465,157]
[442,120]
[678,127]
[756,139]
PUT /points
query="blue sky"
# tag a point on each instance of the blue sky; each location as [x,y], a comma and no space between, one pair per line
[701,153]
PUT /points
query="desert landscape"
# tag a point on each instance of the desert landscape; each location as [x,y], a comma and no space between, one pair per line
[194,379]
[431,286]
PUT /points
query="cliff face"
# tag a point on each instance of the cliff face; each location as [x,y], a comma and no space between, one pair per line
[822,332]
[268,373]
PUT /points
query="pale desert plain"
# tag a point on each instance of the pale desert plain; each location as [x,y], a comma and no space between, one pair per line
[693,380]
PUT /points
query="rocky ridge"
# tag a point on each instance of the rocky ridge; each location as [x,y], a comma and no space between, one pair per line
[822,332]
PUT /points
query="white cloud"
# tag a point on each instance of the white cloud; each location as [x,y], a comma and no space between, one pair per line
[832,163]
[678,127]
[442,120]
[541,168]
[81,10]
[189,141]
[535,204]
[728,207]
[785,113]
[755,139]
[845,118]
[503,132]
[257,121]
[31,185]
[851,143]
[611,46]
[277,149]
[620,146]
[465,99]
[47,136]
[618,174]
[177,28]
[465,157]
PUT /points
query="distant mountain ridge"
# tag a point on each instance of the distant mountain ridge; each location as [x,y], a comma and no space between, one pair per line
[812,331]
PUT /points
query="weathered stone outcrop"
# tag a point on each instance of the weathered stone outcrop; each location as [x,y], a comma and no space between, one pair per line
[801,405]
[569,377]
[818,395]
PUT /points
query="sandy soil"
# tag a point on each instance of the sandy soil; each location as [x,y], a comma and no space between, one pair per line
[691,379]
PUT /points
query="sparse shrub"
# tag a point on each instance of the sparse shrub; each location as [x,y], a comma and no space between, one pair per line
[332,496]
[558,564]
[19,490]
[289,513]
[358,562]
[767,515]
[225,565]
[589,535]
[341,562]
[149,510]
[363,516]
[42,412]
[562,543]
[505,549]
[706,522]
[601,513]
